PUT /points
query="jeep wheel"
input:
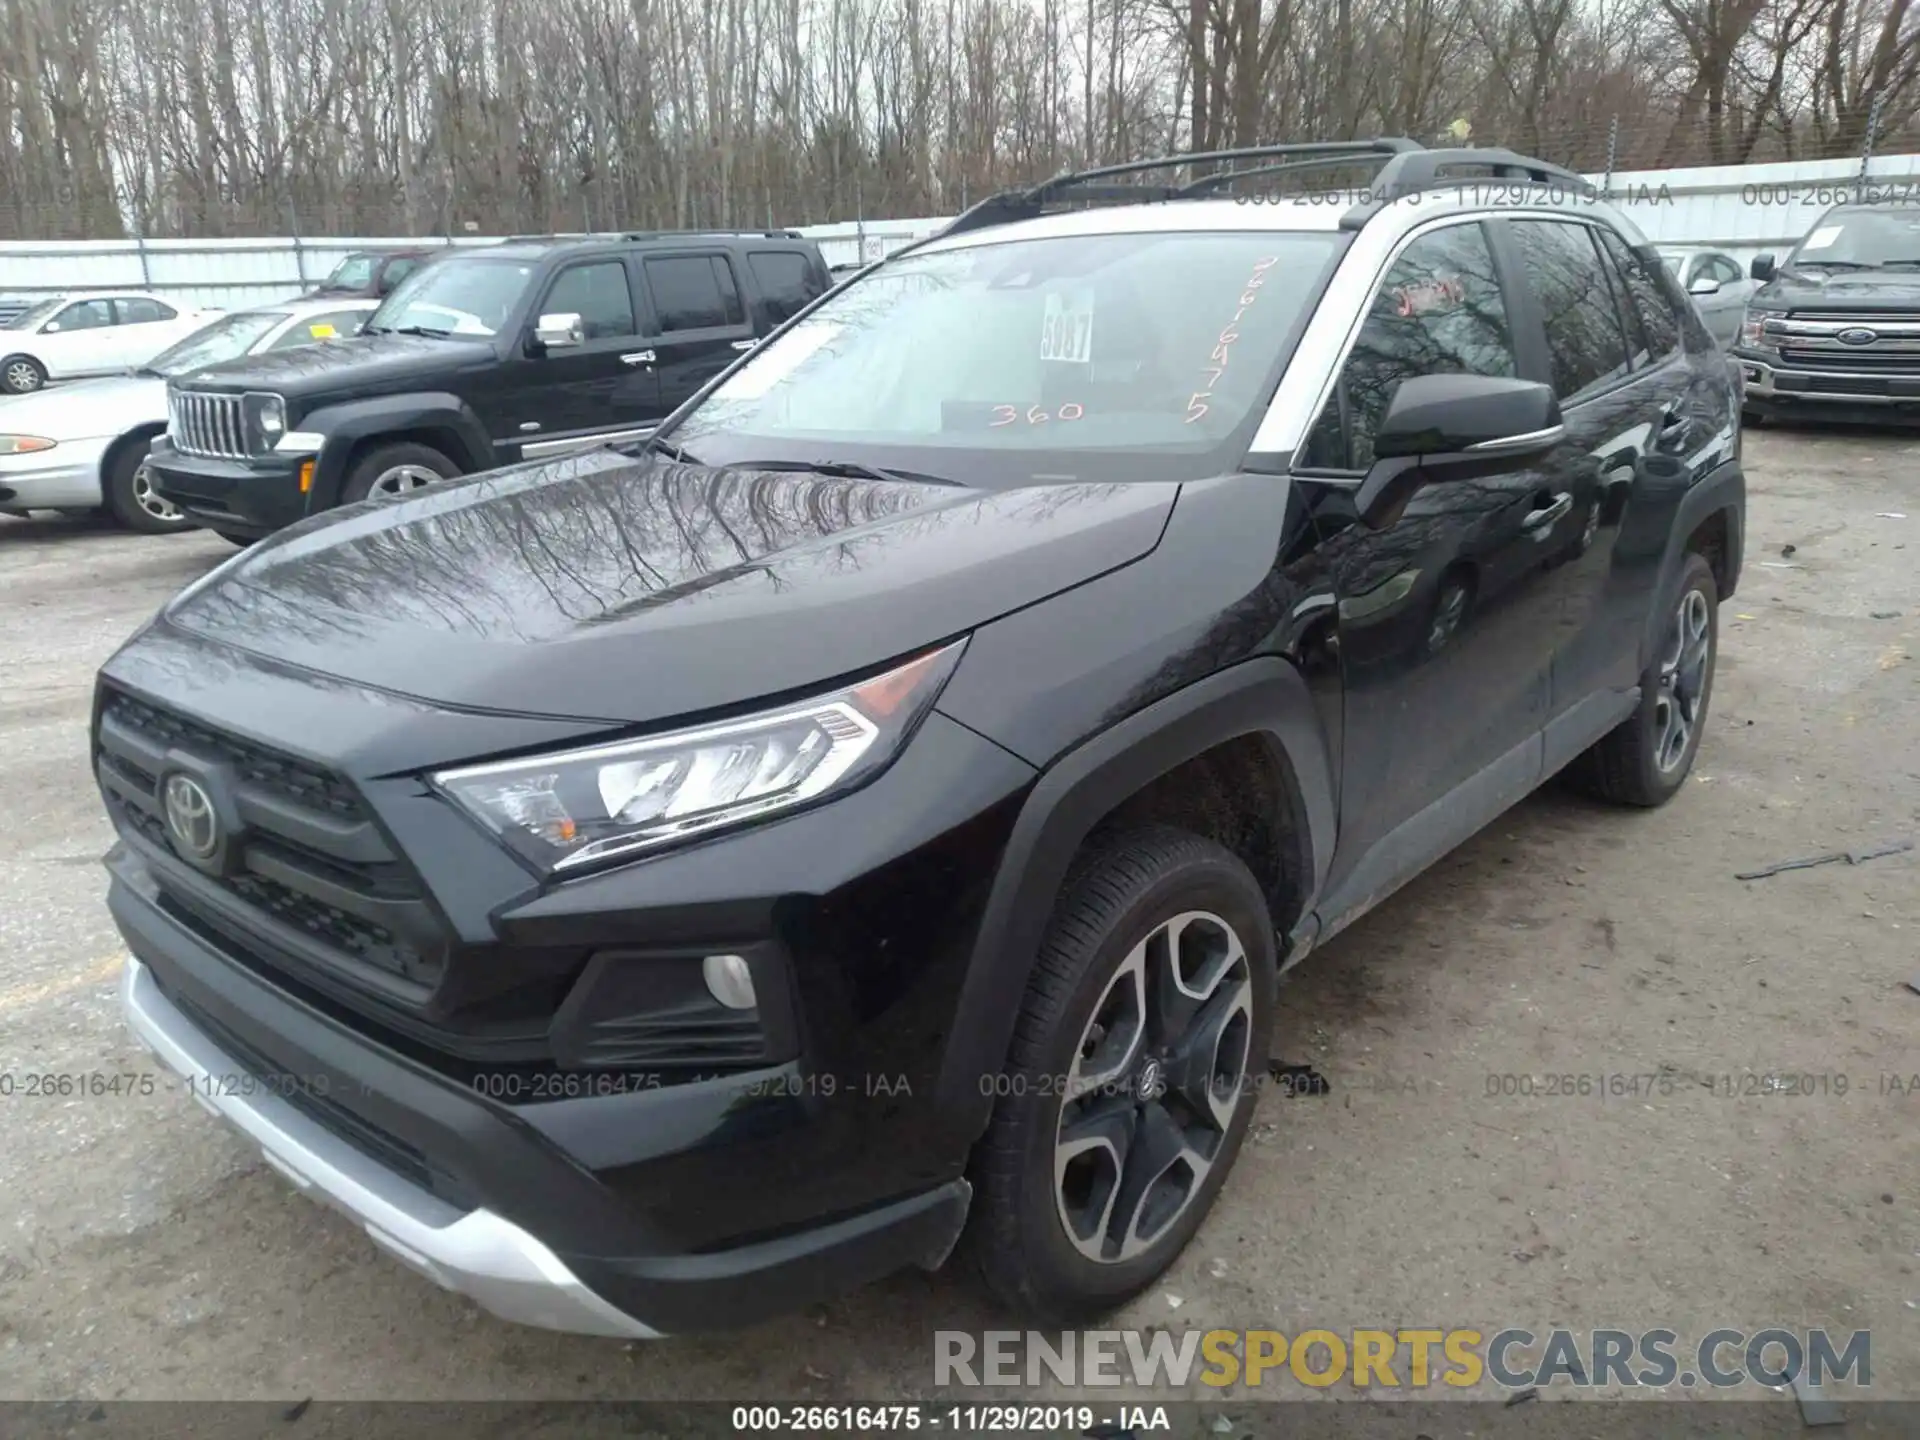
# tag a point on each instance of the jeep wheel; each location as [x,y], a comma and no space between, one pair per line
[22,375]
[1646,759]
[393,472]
[131,498]
[1128,1089]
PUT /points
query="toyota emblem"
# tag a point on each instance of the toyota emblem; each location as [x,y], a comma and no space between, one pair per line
[1857,335]
[191,820]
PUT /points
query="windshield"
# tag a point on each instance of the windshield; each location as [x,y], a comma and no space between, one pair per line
[463,296]
[34,314]
[1861,238]
[227,338]
[353,273]
[1035,359]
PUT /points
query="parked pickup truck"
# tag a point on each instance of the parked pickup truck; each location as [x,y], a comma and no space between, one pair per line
[1834,329]
[517,351]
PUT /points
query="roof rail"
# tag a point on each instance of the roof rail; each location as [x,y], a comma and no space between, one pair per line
[1401,167]
[714,234]
[1027,204]
[1428,169]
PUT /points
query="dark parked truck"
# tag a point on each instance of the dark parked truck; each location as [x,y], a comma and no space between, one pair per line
[1834,331]
[517,351]
[660,887]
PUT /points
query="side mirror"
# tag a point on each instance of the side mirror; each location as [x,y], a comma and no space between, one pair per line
[1762,268]
[559,332]
[1704,285]
[1455,427]
[52,327]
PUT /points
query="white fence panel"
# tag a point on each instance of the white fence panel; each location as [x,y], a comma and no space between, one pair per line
[1743,209]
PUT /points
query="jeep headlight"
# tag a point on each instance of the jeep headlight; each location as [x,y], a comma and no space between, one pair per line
[573,808]
[268,414]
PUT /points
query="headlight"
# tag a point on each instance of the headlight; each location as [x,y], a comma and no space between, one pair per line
[25,444]
[571,809]
[1751,326]
[269,416]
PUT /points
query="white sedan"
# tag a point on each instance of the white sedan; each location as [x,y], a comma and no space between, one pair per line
[81,446]
[69,337]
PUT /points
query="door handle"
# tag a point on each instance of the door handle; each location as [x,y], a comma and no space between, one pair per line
[638,357]
[745,344]
[1541,520]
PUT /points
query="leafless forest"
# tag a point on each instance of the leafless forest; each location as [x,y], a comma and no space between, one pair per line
[228,117]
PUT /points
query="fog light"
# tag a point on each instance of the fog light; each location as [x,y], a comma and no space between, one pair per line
[729,981]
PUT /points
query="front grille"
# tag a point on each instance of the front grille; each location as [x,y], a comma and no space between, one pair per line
[1856,359]
[205,424]
[294,779]
[1857,317]
[312,884]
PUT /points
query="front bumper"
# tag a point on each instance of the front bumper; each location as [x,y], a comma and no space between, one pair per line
[273,1056]
[66,477]
[480,1255]
[251,498]
[1771,385]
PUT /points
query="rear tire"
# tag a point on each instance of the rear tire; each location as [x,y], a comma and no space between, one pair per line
[392,472]
[1153,992]
[1646,759]
[22,375]
[130,496]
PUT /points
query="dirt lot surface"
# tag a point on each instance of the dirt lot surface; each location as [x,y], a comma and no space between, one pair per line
[146,1252]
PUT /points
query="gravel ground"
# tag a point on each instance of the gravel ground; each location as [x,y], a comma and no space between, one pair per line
[147,1253]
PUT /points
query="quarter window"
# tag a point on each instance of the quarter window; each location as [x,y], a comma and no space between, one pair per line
[1438,312]
[785,279]
[600,295]
[1585,340]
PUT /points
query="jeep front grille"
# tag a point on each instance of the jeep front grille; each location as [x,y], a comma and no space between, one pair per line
[204,424]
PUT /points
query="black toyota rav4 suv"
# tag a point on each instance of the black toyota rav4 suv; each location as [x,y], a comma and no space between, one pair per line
[518,351]
[658,887]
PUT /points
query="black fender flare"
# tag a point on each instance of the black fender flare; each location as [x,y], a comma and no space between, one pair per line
[346,424]
[1722,490]
[1264,697]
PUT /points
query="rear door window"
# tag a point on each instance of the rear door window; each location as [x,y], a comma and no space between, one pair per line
[693,292]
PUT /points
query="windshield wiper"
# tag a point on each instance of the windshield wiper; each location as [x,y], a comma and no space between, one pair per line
[418,330]
[1890,264]
[1831,264]
[842,469]
[667,448]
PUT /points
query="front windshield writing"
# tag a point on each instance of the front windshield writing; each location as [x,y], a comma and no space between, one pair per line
[456,297]
[1157,342]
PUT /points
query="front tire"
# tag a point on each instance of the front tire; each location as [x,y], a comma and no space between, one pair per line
[1131,1077]
[22,375]
[393,472]
[131,498]
[1647,758]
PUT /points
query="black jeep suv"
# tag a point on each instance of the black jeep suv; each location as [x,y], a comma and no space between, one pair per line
[531,348]
[1834,331]
[659,887]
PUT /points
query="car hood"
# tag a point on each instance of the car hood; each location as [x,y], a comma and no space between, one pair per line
[1864,290]
[632,591]
[362,363]
[86,409]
